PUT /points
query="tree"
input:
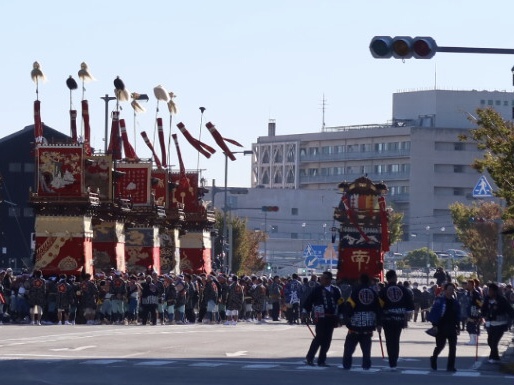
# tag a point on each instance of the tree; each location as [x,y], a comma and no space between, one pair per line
[477,228]
[395,227]
[496,137]
[420,257]
[245,245]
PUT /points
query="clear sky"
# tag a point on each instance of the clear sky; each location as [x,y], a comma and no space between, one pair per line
[245,61]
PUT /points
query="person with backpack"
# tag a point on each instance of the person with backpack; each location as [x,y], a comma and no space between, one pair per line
[445,316]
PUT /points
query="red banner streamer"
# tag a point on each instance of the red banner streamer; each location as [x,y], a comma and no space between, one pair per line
[149,144]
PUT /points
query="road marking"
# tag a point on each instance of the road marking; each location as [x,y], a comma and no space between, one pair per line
[73,349]
[259,366]
[467,374]
[206,364]
[415,371]
[237,354]
[370,370]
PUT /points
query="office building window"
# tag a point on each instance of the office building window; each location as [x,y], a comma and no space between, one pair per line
[458,168]
[458,146]
[294,235]
[482,102]
[459,191]
[498,102]
[490,103]
[294,211]
[28,212]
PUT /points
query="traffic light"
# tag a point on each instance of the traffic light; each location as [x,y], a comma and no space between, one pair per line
[402,47]
[269,208]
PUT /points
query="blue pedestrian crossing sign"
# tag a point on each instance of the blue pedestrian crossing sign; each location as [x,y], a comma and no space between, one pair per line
[311,262]
[483,189]
[320,255]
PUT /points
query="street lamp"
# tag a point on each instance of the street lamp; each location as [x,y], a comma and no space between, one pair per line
[428,252]
[225,208]
[107,99]
[303,236]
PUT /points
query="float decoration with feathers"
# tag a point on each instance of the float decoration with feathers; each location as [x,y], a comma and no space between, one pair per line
[37,75]
[138,108]
[121,94]
[72,85]
[161,95]
[85,76]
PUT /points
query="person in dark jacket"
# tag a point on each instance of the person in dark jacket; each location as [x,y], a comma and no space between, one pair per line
[497,313]
[361,311]
[441,276]
[397,304]
[323,302]
[418,299]
[445,316]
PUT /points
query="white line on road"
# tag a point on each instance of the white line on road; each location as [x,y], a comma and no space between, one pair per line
[237,354]
[260,366]
[73,349]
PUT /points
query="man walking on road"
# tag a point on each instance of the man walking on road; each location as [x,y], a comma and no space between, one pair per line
[361,311]
[445,316]
[397,304]
[323,302]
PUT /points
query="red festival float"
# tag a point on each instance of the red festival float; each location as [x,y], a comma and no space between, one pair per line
[363,230]
[101,211]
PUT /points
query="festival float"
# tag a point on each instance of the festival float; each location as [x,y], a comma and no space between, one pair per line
[363,229]
[114,210]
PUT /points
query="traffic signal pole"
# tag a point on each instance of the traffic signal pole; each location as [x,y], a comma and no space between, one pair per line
[504,51]
[420,47]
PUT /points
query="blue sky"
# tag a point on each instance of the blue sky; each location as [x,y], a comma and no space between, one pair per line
[245,61]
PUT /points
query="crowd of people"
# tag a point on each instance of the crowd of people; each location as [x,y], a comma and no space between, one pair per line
[151,299]
[122,298]
[374,306]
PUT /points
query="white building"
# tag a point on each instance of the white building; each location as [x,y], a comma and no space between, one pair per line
[418,155]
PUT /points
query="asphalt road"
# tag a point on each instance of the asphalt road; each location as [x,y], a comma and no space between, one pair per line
[248,353]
